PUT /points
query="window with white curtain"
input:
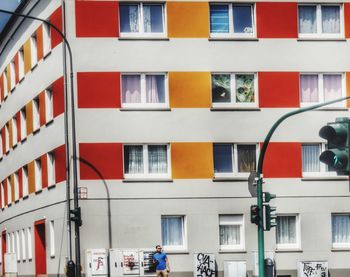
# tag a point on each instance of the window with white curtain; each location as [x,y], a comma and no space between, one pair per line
[30,243]
[34,50]
[341,230]
[142,19]
[232,20]
[20,64]
[23,240]
[311,164]
[52,238]
[50,169]
[14,130]
[320,87]
[7,138]
[234,89]
[37,171]
[23,123]
[324,20]
[25,180]
[232,160]
[6,89]
[16,185]
[147,161]
[36,114]
[9,192]
[48,104]
[231,232]
[173,232]
[18,246]
[144,90]
[288,231]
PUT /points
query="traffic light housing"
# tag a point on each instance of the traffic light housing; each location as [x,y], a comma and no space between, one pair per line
[270,217]
[254,214]
[337,156]
[76,216]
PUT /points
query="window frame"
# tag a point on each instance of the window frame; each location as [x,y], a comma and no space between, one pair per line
[177,248]
[231,33]
[146,175]
[241,224]
[141,33]
[321,95]
[235,173]
[319,33]
[338,245]
[233,103]
[291,246]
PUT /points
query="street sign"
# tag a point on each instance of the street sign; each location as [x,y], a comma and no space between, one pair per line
[252,183]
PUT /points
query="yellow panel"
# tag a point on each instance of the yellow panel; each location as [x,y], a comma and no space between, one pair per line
[27,57]
[13,187]
[348,87]
[8,75]
[31,177]
[192,160]
[29,112]
[189,90]
[188,19]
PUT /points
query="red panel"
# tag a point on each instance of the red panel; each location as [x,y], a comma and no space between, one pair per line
[58,97]
[56,19]
[40,248]
[3,250]
[60,163]
[347,19]
[283,160]
[44,178]
[4,184]
[16,61]
[98,89]
[106,158]
[20,182]
[18,117]
[42,108]
[277,20]
[279,89]
[96,18]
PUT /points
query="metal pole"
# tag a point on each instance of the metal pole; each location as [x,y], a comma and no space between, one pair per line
[261,248]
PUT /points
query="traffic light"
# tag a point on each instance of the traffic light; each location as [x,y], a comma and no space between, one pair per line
[270,217]
[254,214]
[76,216]
[338,139]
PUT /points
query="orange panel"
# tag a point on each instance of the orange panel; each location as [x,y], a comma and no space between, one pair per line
[9,124]
[8,75]
[348,88]
[40,42]
[42,108]
[16,61]
[189,90]
[192,160]
[347,19]
[12,178]
[44,178]
[27,56]
[31,177]
[29,112]
[188,19]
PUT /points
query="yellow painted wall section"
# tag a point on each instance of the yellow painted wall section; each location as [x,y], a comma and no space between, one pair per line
[8,75]
[188,19]
[192,160]
[31,177]
[27,56]
[348,88]
[29,112]
[13,187]
[189,89]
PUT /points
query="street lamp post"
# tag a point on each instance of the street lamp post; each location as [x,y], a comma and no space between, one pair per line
[74,148]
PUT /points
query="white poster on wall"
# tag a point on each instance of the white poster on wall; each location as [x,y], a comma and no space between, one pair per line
[204,265]
[98,262]
[313,269]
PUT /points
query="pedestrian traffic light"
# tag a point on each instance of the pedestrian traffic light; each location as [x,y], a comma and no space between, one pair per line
[254,214]
[76,216]
[338,140]
[270,217]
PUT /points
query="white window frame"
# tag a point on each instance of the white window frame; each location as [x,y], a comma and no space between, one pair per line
[50,169]
[240,246]
[48,104]
[23,123]
[36,114]
[334,244]
[321,96]
[30,243]
[46,38]
[14,130]
[233,102]
[23,240]
[182,247]
[34,50]
[297,245]
[147,175]
[319,33]
[16,185]
[21,64]
[12,75]
[38,177]
[231,33]
[235,172]
[52,239]
[143,104]
[141,32]
[18,246]
[25,180]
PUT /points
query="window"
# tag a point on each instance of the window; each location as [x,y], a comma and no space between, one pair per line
[50,169]
[232,20]
[36,114]
[12,75]
[321,21]
[29,242]
[37,169]
[173,232]
[23,238]
[8,242]
[16,185]
[142,19]
[18,246]
[25,180]
[20,64]
[2,196]
[144,90]
[4,78]
[34,50]
[48,105]
[13,248]
[231,231]
[1,150]
[9,192]
[311,163]
[23,123]
[316,88]
[46,38]
[341,230]
[7,137]
[288,232]
[14,130]
[239,90]
[52,239]
[147,161]
[232,160]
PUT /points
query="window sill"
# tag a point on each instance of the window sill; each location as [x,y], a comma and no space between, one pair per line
[321,39]
[25,197]
[328,178]
[13,89]
[144,38]
[151,109]
[51,186]
[146,180]
[34,66]
[235,109]
[227,251]
[230,179]
[289,250]
[341,249]
[21,80]
[176,252]
[233,39]
[47,55]
[23,140]
[36,131]
[49,122]
[39,191]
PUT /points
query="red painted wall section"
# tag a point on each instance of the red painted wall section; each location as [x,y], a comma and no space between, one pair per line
[283,160]
[40,247]
[3,250]
[96,18]
[279,89]
[347,19]
[98,89]
[44,173]
[56,19]
[277,20]
[105,157]
[18,118]
[20,182]
[58,97]
[60,163]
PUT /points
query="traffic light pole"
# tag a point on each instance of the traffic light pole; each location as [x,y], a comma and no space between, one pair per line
[261,248]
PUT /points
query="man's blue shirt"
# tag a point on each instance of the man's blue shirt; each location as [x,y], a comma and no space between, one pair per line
[161,260]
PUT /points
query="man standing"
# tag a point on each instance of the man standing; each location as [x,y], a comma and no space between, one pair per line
[162,262]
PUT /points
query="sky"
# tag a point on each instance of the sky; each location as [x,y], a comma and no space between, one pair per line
[10,5]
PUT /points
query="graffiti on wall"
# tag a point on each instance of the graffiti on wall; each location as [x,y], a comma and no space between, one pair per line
[204,265]
[313,269]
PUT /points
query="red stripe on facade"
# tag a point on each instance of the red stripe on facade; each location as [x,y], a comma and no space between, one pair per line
[18,121]
[58,97]
[96,18]
[20,182]
[105,158]
[56,19]
[60,164]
